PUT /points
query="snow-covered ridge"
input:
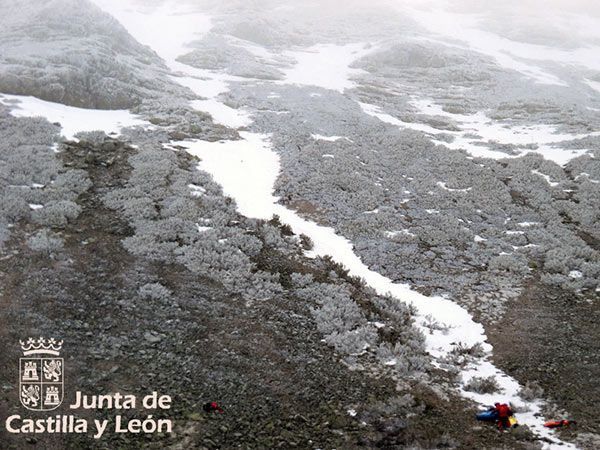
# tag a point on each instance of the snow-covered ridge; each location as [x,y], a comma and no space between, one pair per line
[469,31]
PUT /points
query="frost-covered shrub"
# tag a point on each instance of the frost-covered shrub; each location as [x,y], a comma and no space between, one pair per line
[531,391]
[483,385]
[216,53]
[60,63]
[339,317]
[208,256]
[588,441]
[13,207]
[249,245]
[515,263]
[4,233]
[56,214]
[152,177]
[148,246]
[74,181]
[300,280]
[476,350]
[45,241]
[401,406]
[407,358]
[556,261]
[400,313]
[338,314]
[154,291]
[433,325]
[353,342]
[461,354]
[178,206]
[96,137]
[277,236]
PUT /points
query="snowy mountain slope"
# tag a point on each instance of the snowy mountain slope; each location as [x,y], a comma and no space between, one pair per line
[446,164]
[217,164]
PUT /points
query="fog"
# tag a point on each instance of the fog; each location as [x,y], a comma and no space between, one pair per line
[557,23]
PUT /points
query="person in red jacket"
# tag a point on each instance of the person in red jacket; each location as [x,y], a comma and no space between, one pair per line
[504,412]
[559,423]
[212,407]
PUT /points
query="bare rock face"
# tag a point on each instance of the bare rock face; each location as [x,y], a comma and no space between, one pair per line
[71,52]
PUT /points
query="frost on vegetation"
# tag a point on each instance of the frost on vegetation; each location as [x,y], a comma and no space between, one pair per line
[402,406]
[531,391]
[31,174]
[57,64]
[213,52]
[462,355]
[347,329]
[483,385]
[255,259]
[154,291]
[432,324]
[164,212]
[45,241]
[406,358]
[337,313]
[465,247]
[588,441]
[56,214]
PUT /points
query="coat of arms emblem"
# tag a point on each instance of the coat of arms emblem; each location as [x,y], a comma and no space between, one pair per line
[41,374]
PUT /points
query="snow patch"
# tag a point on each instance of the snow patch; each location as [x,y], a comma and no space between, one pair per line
[546,177]
[223,114]
[326,66]
[197,191]
[443,186]
[478,132]
[595,85]
[72,120]
[393,234]
[320,137]
[166,28]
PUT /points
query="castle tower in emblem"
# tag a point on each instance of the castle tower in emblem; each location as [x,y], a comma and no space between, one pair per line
[41,374]
[52,397]
[30,371]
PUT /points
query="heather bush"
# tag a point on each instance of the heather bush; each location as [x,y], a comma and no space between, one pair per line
[353,342]
[13,208]
[531,391]
[483,385]
[74,182]
[44,241]
[154,291]
[56,214]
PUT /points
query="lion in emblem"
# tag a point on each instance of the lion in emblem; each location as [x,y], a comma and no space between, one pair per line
[30,395]
[52,370]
